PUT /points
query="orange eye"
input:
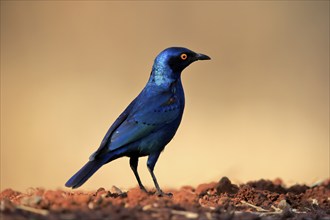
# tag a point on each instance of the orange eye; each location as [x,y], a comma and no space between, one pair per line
[184,56]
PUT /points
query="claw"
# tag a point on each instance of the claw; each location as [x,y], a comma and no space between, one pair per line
[162,194]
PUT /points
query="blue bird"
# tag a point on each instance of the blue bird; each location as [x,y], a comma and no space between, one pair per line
[149,122]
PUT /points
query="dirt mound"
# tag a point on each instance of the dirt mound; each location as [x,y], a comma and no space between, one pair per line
[261,199]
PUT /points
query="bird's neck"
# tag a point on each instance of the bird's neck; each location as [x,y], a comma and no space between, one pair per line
[162,75]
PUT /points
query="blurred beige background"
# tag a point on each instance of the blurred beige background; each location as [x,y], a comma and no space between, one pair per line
[258,109]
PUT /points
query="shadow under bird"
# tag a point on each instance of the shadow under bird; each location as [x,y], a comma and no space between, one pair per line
[149,122]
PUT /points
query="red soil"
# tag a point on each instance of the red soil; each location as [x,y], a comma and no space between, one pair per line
[261,199]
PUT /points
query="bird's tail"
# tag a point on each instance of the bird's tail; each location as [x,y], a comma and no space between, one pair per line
[95,162]
[84,173]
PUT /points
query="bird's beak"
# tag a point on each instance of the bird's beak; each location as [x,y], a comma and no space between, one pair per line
[200,56]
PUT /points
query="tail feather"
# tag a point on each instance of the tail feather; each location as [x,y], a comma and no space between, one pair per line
[92,166]
[84,173]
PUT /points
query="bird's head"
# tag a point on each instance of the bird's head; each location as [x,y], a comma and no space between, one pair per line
[178,58]
[170,62]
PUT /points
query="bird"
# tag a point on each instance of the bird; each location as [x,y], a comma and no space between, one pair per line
[148,123]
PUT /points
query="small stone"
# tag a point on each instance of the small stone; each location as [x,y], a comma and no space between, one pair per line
[225,186]
[146,207]
[91,205]
[187,214]
[116,190]
[283,204]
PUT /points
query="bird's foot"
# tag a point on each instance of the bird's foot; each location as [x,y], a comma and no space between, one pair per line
[143,189]
[160,193]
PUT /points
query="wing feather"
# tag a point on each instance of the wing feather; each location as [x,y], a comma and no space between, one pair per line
[142,117]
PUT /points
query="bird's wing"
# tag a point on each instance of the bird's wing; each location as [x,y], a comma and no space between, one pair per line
[147,116]
[140,118]
[122,117]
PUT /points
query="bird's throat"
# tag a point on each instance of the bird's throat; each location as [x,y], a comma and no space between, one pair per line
[163,76]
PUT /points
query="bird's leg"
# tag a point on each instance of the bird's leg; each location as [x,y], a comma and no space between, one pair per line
[133,162]
[152,159]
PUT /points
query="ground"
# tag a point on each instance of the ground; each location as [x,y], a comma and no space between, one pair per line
[261,199]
